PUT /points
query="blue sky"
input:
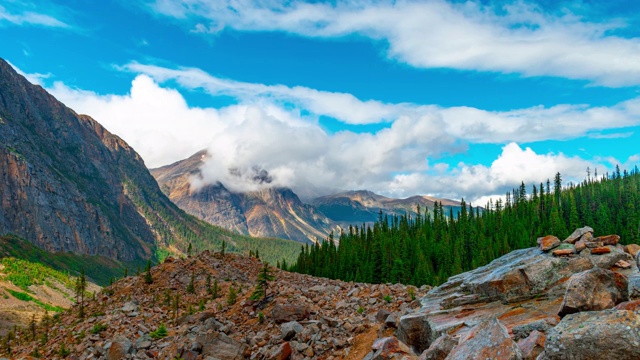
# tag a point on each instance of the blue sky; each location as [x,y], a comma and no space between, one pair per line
[453,99]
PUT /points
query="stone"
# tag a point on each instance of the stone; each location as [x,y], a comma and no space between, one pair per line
[595,289]
[221,346]
[120,348]
[600,250]
[580,245]
[632,249]
[608,239]
[415,331]
[143,342]
[623,264]
[577,234]
[382,315]
[549,242]
[195,318]
[488,340]
[387,348]
[634,286]
[628,305]
[282,352]
[532,346]
[587,237]
[129,307]
[564,252]
[606,334]
[391,320]
[608,260]
[523,331]
[440,348]
[285,312]
[593,244]
[290,329]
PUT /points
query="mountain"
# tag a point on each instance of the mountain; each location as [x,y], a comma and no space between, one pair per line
[363,206]
[68,184]
[269,212]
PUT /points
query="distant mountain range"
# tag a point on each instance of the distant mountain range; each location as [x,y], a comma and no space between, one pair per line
[277,211]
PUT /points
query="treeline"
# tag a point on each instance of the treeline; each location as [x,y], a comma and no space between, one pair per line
[432,246]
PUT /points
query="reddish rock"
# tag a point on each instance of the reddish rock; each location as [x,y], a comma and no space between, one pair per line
[533,345]
[632,249]
[580,245]
[593,244]
[549,242]
[563,252]
[595,289]
[577,234]
[388,348]
[285,313]
[283,352]
[609,239]
[623,264]
[600,250]
[587,237]
[628,305]
[488,340]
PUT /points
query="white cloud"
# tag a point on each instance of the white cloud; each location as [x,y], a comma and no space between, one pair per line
[514,38]
[29,18]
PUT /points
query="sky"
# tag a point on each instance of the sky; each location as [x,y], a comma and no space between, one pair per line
[455,99]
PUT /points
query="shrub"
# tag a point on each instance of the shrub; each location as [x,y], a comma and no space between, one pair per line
[159,333]
[98,328]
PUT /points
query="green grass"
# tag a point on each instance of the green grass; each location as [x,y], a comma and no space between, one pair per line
[23,273]
[28,298]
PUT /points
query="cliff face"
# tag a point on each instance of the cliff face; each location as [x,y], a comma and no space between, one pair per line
[67,184]
[272,212]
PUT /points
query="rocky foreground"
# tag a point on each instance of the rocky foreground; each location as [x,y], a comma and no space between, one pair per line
[570,299]
[303,316]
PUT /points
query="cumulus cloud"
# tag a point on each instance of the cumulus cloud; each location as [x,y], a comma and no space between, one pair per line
[510,38]
[259,134]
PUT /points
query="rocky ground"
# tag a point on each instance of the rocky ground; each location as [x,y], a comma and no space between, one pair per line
[303,317]
[570,299]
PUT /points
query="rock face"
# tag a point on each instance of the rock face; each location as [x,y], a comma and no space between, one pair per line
[610,334]
[488,340]
[270,212]
[594,289]
[68,184]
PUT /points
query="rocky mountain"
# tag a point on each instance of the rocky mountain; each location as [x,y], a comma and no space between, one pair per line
[68,184]
[570,299]
[363,206]
[270,212]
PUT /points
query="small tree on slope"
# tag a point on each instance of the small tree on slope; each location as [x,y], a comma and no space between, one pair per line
[264,276]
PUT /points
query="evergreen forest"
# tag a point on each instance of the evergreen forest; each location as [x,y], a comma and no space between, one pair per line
[430,247]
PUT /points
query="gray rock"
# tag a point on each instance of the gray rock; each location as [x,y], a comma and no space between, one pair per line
[120,348]
[440,348]
[610,334]
[607,261]
[523,331]
[143,342]
[391,320]
[382,315]
[577,234]
[634,286]
[416,331]
[290,329]
[594,289]
[488,340]
[221,347]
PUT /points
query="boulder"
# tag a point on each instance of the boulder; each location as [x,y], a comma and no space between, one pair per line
[632,249]
[282,352]
[523,331]
[549,242]
[290,329]
[440,348]
[580,245]
[120,348]
[628,305]
[382,314]
[577,234]
[594,289]
[532,346]
[609,334]
[416,331]
[600,250]
[608,258]
[387,348]
[609,239]
[221,346]
[564,250]
[488,340]
[282,313]
[634,286]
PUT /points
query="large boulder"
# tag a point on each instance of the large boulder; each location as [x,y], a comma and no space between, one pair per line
[594,289]
[532,346]
[549,242]
[416,331]
[592,335]
[387,348]
[282,313]
[608,259]
[440,348]
[221,347]
[120,347]
[488,340]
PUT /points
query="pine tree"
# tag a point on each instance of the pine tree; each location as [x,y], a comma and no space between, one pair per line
[189,250]
[232,297]
[147,276]
[264,276]
[80,288]
[215,289]
[191,287]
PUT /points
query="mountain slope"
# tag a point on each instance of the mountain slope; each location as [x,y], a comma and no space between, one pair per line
[364,206]
[67,184]
[271,212]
